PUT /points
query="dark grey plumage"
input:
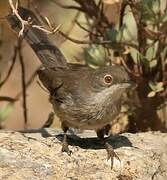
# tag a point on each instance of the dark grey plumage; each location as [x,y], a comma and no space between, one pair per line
[82,97]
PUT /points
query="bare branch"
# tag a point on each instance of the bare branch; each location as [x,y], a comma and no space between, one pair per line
[11,67]
[52,29]
[102,42]
[14,10]
[23,82]
[6,98]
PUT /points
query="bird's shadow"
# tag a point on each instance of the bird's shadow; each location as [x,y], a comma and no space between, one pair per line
[96,143]
[116,141]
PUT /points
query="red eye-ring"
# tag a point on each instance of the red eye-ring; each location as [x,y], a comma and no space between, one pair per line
[108,79]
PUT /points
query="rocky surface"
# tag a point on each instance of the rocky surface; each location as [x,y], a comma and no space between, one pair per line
[36,154]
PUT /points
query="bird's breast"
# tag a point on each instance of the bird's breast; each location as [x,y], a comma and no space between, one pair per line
[85,115]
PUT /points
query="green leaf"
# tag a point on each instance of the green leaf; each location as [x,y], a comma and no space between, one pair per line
[159,87]
[150,56]
[152,85]
[150,53]
[153,63]
[156,86]
[134,54]
[112,34]
[137,56]
[164,17]
[164,53]
[156,6]
[129,26]
[95,55]
[151,94]
[116,36]
[146,9]
[120,35]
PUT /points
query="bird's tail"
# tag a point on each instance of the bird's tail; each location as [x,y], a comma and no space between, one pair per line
[49,55]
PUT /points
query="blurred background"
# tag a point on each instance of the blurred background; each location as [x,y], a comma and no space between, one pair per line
[137,43]
[37,99]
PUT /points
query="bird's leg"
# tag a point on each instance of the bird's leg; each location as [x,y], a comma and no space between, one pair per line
[65,147]
[110,151]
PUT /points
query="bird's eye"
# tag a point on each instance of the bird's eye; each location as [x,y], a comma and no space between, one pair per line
[108,79]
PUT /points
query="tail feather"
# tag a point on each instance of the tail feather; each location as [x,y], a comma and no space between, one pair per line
[49,55]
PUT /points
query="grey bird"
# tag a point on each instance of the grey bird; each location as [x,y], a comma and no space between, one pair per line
[82,97]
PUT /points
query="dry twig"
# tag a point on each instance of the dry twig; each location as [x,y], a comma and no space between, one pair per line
[7,98]
[101,42]
[52,29]
[11,67]
[23,81]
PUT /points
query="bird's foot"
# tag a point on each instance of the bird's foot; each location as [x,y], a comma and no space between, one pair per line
[65,147]
[111,154]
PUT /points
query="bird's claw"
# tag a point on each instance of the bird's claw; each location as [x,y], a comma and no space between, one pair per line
[111,154]
[65,147]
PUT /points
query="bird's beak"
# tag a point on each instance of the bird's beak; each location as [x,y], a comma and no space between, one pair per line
[129,84]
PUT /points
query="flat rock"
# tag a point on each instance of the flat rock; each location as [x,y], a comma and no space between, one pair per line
[36,155]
